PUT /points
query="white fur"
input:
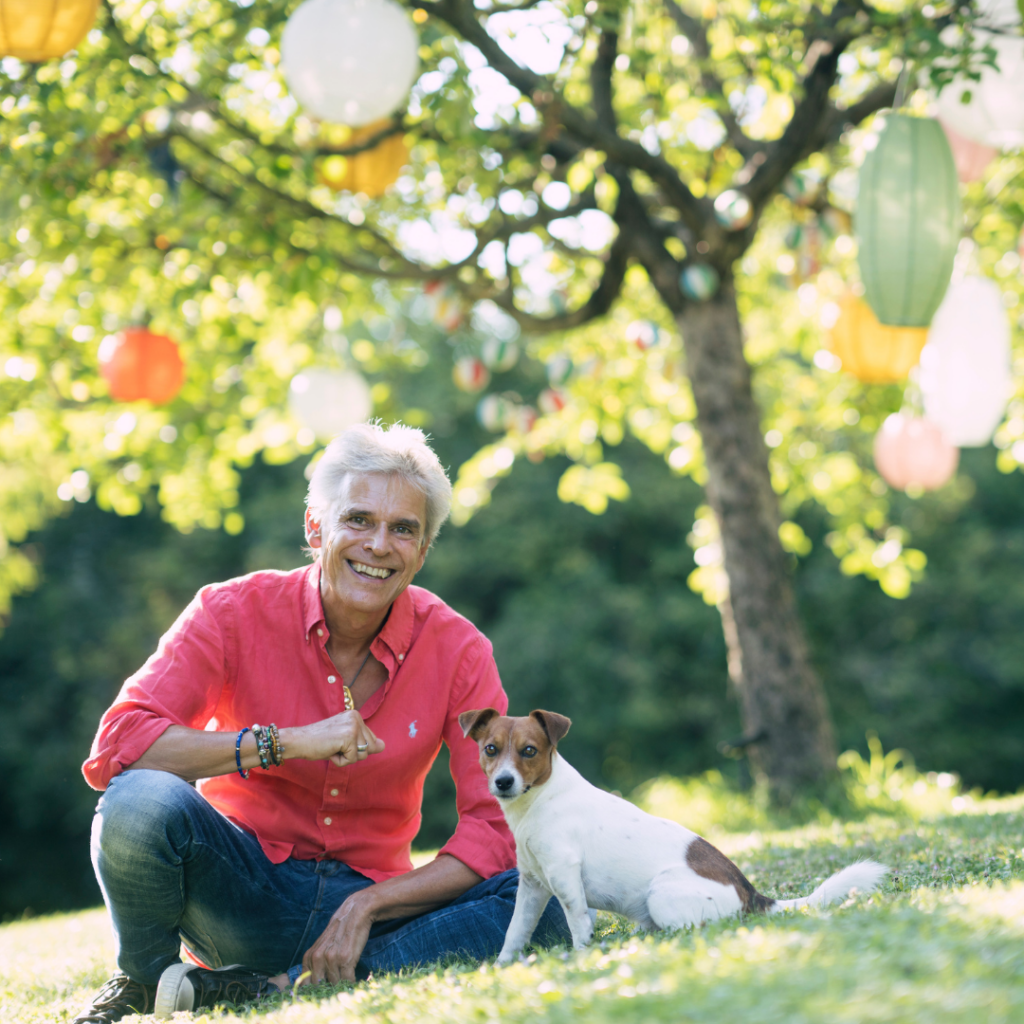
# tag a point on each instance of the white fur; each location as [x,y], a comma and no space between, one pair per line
[591,849]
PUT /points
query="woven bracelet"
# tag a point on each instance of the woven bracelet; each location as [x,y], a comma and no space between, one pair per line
[238,754]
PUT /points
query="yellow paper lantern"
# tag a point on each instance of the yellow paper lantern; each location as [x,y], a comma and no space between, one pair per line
[371,171]
[35,31]
[871,351]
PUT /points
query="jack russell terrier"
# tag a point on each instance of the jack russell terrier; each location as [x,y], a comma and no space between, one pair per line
[597,851]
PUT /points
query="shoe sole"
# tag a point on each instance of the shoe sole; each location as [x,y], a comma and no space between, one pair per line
[174,991]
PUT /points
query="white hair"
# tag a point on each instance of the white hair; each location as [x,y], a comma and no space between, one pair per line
[372,448]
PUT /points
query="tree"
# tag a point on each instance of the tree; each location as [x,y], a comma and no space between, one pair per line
[578,192]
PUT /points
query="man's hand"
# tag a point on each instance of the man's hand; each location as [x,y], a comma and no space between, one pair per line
[334,956]
[337,738]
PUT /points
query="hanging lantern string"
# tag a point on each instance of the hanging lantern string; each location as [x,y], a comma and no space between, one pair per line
[901,86]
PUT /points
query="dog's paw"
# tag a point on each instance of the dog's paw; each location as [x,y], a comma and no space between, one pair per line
[504,959]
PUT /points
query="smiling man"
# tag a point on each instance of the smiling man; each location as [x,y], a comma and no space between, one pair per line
[308,706]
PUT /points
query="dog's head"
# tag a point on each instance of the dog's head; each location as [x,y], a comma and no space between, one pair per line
[515,753]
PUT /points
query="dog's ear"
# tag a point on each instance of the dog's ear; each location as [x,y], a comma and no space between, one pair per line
[555,725]
[473,722]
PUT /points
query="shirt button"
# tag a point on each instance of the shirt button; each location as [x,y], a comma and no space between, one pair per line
[319,632]
[401,657]
[327,821]
[334,792]
[332,679]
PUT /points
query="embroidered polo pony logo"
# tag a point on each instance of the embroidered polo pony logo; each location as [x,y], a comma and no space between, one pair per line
[412,729]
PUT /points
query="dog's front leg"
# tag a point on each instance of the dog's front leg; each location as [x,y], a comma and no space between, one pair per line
[531,898]
[567,885]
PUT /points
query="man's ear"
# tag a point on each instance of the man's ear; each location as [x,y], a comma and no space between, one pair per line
[555,725]
[313,538]
[474,722]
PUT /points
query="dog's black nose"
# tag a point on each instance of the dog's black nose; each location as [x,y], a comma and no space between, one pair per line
[503,783]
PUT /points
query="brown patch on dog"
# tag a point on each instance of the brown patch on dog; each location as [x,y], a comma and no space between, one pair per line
[472,722]
[713,865]
[553,724]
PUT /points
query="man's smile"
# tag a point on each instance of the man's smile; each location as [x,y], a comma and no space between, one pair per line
[375,572]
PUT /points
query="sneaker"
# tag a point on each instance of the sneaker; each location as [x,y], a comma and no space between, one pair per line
[118,997]
[188,987]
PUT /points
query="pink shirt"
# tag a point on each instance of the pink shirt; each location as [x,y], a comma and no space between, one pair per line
[253,649]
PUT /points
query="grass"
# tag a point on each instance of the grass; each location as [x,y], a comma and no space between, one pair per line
[944,940]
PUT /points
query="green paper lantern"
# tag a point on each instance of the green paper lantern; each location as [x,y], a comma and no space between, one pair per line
[907,221]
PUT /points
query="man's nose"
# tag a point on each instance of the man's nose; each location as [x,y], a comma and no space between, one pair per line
[377,541]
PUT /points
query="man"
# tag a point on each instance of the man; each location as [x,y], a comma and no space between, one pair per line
[291,856]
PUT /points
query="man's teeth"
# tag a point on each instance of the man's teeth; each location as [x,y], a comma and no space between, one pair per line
[369,570]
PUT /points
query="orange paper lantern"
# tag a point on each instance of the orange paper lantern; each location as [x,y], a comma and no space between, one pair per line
[138,364]
[871,351]
[33,31]
[914,452]
[370,171]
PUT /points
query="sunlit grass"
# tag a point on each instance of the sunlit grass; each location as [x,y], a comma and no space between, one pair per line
[943,941]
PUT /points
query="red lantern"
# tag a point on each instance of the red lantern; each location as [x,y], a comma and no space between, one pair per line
[138,364]
[470,375]
[912,452]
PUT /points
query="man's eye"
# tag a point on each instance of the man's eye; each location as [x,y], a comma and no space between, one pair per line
[528,751]
[491,750]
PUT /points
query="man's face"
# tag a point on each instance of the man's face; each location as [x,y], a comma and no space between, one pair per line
[372,541]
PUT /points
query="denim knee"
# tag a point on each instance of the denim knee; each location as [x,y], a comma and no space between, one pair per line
[138,810]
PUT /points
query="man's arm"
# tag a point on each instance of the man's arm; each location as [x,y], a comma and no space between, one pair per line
[334,956]
[196,754]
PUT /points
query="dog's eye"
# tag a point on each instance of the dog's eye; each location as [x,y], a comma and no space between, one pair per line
[528,751]
[491,750]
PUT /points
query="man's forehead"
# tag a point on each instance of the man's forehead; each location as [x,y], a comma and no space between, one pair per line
[382,494]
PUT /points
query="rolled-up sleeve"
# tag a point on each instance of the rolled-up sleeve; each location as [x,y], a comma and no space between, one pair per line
[179,685]
[482,840]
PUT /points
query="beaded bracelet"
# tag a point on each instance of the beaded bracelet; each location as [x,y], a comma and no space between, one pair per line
[262,746]
[244,772]
[276,746]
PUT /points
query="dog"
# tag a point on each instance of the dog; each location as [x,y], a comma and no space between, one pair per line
[596,851]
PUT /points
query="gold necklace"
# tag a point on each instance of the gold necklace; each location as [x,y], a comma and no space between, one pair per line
[350,704]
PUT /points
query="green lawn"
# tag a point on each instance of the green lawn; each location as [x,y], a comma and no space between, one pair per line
[944,941]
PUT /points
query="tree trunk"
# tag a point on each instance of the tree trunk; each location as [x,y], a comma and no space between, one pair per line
[782,701]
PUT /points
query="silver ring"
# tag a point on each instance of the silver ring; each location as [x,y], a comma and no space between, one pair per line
[362,747]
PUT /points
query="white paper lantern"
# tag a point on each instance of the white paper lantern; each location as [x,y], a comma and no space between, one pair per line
[350,61]
[965,367]
[329,401]
[994,113]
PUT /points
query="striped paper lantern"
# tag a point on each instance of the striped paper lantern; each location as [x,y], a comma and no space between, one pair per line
[873,352]
[34,31]
[470,375]
[907,221]
[499,355]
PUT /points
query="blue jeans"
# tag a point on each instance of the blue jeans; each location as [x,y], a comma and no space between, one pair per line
[174,870]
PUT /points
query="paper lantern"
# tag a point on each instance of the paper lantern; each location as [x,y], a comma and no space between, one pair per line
[559,369]
[329,401]
[873,352]
[733,210]
[369,172]
[443,304]
[499,356]
[470,375]
[138,364]
[913,452]
[524,418]
[35,31]
[993,114]
[494,413]
[966,380]
[699,281]
[350,61]
[907,221]
[971,158]
[644,334]
[552,401]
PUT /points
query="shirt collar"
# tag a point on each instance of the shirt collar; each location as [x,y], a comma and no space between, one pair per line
[397,631]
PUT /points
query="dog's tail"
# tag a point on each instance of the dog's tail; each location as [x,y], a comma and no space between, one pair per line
[864,876]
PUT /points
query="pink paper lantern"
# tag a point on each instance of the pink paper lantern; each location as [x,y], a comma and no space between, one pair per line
[971,158]
[914,452]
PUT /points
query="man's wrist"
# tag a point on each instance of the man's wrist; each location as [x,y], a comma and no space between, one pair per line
[365,903]
[292,741]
